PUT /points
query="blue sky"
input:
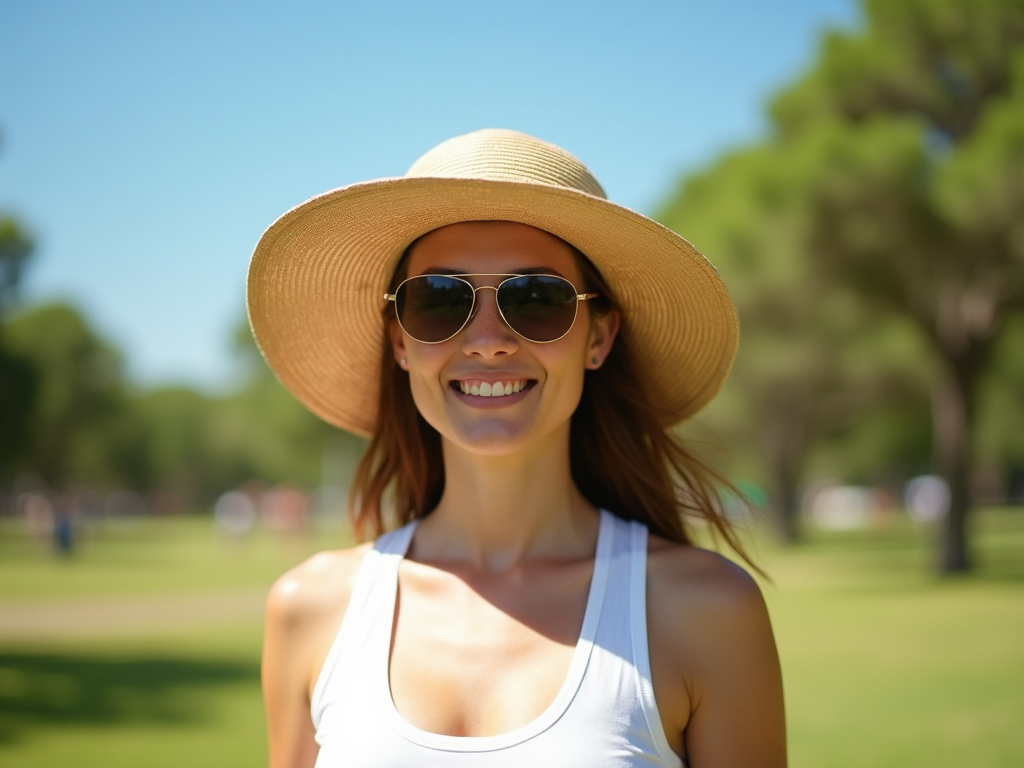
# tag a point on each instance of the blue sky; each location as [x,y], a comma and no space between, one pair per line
[147,145]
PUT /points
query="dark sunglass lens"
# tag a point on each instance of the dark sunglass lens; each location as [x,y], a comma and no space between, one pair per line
[433,308]
[538,307]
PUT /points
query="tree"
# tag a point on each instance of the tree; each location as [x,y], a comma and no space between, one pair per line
[279,436]
[15,248]
[82,427]
[18,379]
[917,123]
[999,435]
[812,359]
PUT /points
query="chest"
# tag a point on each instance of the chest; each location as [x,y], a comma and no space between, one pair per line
[549,668]
[478,657]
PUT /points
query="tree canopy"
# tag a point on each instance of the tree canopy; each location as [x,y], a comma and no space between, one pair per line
[887,207]
[89,427]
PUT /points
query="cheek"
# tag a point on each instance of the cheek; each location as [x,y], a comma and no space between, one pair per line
[425,380]
[565,380]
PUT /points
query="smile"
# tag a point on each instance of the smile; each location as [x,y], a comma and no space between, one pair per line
[491,388]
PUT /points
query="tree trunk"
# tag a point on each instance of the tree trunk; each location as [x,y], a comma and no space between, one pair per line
[786,502]
[952,398]
[783,463]
[785,443]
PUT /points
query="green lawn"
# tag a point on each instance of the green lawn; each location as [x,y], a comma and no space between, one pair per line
[151,556]
[884,663]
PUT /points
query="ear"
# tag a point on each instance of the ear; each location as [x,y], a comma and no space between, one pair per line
[398,345]
[603,330]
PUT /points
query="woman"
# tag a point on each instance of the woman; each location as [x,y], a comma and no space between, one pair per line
[517,347]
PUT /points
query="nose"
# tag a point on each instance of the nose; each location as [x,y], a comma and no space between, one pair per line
[487,334]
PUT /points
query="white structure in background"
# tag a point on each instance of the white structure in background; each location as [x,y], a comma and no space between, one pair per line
[926,498]
[235,513]
[843,507]
[37,511]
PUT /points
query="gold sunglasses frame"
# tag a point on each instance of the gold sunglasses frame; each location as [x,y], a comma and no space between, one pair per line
[473,307]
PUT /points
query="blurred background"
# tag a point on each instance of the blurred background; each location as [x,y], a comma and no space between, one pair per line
[855,170]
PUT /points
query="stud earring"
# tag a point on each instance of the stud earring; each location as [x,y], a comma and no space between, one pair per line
[402,362]
[595,360]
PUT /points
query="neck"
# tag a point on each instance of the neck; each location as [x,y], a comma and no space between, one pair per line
[499,510]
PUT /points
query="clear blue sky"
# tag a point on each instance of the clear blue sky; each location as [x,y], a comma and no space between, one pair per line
[147,145]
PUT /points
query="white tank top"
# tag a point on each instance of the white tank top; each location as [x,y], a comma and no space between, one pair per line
[604,714]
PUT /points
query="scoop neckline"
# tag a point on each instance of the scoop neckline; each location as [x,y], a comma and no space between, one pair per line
[566,693]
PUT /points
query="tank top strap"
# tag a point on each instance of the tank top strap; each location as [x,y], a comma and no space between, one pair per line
[396,542]
[641,651]
[373,591]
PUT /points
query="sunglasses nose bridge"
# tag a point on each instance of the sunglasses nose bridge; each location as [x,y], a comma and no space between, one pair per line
[476,300]
[499,316]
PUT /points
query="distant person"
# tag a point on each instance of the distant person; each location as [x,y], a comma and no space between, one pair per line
[63,532]
[517,348]
[64,524]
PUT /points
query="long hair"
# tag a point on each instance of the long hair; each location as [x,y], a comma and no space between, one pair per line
[622,454]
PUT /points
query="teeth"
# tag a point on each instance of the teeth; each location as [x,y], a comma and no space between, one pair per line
[491,389]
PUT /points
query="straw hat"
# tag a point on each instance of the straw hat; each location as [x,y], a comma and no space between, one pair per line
[319,272]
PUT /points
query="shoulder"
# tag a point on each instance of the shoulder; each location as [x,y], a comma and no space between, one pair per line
[713,657]
[317,590]
[686,578]
[706,615]
[304,609]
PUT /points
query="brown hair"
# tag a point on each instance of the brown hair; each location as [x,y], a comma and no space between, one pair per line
[622,454]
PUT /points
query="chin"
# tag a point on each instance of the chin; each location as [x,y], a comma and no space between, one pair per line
[487,437]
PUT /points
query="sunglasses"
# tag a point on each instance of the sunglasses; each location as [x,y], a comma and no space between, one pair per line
[434,308]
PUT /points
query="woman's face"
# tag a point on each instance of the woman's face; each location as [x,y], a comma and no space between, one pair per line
[488,352]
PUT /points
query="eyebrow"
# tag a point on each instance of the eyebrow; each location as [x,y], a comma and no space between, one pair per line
[520,271]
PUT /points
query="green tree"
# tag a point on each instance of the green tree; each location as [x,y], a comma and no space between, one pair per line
[15,249]
[83,429]
[280,438]
[917,124]
[18,379]
[179,454]
[813,358]
[999,437]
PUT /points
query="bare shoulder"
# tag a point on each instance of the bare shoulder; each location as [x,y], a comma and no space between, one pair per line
[317,589]
[713,658]
[305,607]
[705,612]
[687,578]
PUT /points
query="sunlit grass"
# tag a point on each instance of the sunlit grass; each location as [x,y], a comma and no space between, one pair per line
[885,663]
[152,555]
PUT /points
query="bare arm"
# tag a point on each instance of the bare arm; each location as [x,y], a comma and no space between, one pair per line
[715,662]
[303,613]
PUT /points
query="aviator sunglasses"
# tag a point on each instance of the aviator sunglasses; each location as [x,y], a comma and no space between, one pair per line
[434,308]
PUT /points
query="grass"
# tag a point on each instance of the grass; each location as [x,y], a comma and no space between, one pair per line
[885,663]
[150,556]
[190,700]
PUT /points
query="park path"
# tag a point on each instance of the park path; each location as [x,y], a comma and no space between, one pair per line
[127,616]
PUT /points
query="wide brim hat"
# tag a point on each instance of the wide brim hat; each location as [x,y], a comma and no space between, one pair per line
[319,273]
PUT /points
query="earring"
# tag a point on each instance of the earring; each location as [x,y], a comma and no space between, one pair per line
[595,360]
[402,362]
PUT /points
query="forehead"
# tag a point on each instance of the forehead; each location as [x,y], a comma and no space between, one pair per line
[492,247]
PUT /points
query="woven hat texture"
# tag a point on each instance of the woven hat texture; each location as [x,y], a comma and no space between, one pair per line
[319,272]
